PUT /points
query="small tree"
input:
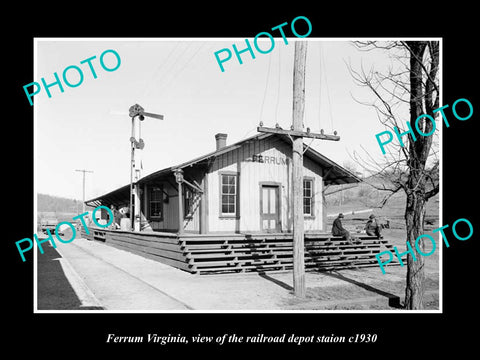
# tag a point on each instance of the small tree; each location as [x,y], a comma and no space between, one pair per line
[409,85]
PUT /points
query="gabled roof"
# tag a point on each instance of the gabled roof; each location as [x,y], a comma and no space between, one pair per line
[334,175]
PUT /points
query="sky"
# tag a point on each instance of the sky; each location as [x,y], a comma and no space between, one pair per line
[88,127]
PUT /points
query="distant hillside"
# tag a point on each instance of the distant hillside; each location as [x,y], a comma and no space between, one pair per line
[49,203]
[57,204]
[356,197]
[60,208]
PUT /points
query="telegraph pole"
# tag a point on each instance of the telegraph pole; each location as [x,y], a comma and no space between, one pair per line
[83,195]
[297,164]
[297,134]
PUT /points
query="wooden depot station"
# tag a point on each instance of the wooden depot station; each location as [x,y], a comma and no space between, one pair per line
[229,211]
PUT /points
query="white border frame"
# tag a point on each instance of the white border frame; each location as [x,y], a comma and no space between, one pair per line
[35,255]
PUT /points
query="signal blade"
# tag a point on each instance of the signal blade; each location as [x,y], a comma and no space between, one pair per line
[155,116]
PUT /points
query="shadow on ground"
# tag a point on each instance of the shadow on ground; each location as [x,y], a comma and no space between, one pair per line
[54,292]
[393,300]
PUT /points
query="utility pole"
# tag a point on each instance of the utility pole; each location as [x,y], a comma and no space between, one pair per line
[83,195]
[296,134]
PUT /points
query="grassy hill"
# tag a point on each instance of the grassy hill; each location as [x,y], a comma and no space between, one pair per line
[59,207]
[50,203]
[364,196]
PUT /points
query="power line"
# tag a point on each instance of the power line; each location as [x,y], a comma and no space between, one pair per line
[266,86]
[160,67]
[178,72]
[278,88]
[163,71]
[328,91]
[172,71]
[320,86]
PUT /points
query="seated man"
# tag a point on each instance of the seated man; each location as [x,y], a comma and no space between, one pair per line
[373,228]
[338,230]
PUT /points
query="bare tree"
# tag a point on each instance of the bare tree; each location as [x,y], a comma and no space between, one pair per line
[350,166]
[406,90]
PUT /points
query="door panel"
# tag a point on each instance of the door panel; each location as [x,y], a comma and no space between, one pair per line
[270,208]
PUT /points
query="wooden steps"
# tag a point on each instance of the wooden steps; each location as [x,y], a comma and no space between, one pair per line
[223,253]
[273,252]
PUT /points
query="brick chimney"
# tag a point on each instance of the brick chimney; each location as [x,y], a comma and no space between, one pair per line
[221,140]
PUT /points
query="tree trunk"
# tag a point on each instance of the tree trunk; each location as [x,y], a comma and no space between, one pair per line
[415,209]
[414,216]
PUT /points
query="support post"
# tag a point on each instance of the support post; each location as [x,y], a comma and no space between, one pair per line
[179,179]
[203,206]
[180,209]
[297,165]
[137,215]
[145,204]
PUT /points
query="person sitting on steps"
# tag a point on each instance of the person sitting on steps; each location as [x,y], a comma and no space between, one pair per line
[339,230]
[373,228]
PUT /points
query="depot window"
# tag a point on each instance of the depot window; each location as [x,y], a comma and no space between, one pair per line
[228,194]
[308,197]
[156,203]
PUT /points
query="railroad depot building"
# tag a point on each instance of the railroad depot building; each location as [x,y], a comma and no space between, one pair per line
[230,209]
[240,188]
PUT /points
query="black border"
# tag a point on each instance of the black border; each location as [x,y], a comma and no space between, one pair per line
[86,333]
